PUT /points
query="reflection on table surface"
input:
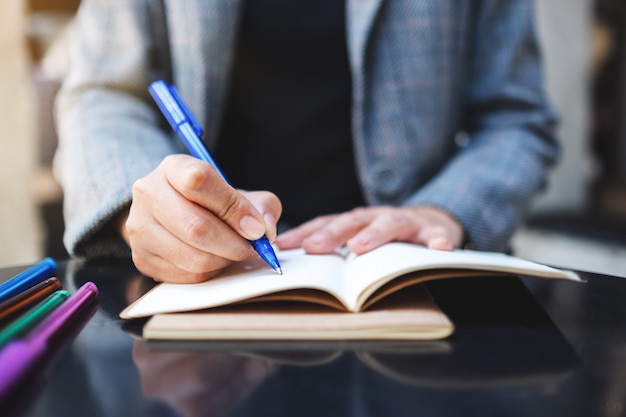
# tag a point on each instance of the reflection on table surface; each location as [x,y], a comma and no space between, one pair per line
[522,347]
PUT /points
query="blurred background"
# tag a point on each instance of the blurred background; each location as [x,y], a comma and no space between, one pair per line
[578,222]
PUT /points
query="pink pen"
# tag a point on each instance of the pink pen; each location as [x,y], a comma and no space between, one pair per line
[21,358]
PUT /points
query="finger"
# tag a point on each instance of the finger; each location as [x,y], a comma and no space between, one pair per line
[337,231]
[388,225]
[440,243]
[293,238]
[161,270]
[165,258]
[436,237]
[205,232]
[197,181]
[184,219]
[400,225]
[440,230]
[269,206]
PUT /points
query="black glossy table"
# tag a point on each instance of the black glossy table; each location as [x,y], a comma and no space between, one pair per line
[522,347]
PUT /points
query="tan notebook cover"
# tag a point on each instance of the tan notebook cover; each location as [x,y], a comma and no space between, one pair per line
[409,314]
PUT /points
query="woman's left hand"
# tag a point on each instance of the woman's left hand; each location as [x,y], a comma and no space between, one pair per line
[364,229]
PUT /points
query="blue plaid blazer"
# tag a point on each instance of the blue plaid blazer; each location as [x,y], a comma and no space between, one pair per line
[448,107]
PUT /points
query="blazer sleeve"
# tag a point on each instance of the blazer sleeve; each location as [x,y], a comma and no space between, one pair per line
[108,128]
[489,183]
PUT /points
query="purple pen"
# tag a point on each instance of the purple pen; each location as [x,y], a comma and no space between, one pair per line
[21,358]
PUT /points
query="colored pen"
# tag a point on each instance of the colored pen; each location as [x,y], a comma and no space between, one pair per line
[185,124]
[32,317]
[23,357]
[29,278]
[27,299]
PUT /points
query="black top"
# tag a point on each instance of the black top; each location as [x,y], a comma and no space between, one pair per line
[287,123]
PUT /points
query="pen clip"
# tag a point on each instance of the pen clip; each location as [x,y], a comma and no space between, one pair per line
[173,107]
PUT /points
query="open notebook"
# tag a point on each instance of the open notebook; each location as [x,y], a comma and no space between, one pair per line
[378,295]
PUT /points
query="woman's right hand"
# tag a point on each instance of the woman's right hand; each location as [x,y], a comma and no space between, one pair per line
[186,224]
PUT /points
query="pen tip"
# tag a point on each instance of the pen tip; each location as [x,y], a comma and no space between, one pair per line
[279,270]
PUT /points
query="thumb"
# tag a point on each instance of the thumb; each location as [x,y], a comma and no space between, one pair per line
[270,208]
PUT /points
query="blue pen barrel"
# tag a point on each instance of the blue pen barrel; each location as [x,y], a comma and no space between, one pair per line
[27,279]
[197,149]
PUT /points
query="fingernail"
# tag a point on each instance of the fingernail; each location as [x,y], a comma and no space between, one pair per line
[440,243]
[251,227]
[270,221]
[363,239]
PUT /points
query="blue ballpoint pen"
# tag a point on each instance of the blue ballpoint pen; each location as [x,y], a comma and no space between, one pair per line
[184,123]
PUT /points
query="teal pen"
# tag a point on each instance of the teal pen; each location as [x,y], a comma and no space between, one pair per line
[182,122]
[32,317]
